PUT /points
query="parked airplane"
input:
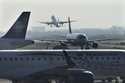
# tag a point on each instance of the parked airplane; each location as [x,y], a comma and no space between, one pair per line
[15,37]
[55,22]
[41,66]
[27,66]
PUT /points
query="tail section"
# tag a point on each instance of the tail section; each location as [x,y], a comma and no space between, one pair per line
[19,28]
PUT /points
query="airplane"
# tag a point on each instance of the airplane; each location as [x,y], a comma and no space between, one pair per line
[30,66]
[75,39]
[56,22]
[66,66]
[15,37]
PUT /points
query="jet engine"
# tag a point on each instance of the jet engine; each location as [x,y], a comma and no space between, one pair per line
[77,75]
[77,39]
[95,45]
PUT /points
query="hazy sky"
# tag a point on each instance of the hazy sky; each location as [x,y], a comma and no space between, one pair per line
[88,13]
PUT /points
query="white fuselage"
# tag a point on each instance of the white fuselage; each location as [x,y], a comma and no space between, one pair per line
[73,36]
[77,38]
[19,63]
[54,21]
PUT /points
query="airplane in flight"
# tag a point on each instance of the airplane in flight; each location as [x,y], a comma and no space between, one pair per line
[15,37]
[56,22]
[66,66]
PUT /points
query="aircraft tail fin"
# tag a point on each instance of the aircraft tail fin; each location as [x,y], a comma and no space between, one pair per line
[70,30]
[19,28]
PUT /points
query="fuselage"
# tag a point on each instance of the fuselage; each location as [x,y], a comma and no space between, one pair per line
[20,63]
[77,38]
[54,21]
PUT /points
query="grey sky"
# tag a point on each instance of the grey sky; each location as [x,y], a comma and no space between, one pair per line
[88,13]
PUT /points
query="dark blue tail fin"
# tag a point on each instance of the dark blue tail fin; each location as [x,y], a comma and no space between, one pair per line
[19,28]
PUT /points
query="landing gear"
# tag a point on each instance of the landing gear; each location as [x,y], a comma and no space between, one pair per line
[95,45]
[87,46]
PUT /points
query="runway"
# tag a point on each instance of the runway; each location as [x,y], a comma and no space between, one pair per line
[119,44]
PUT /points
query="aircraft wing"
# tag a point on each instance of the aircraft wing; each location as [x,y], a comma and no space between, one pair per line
[63,22]
[48,23]
[54,40]
[107,39]
[90,41]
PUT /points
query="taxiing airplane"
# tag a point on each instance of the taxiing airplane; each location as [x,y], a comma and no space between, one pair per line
[77,39]
[27,66]
[56,22]
[15,37]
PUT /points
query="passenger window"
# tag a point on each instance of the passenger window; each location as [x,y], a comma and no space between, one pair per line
[11,59]
[27,58]
[118,58]
[102,58]
[39,59]
[108,58]
[21,58]
[45,58]
[5,58]
[15,58]
[51,58]
[113,58]
[32,58]
[97,58]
